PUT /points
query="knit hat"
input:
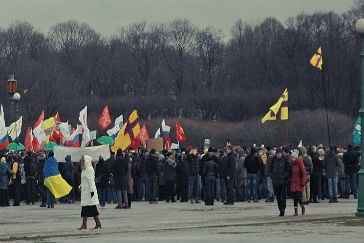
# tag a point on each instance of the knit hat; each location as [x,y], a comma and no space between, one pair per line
[3,159]
[294,155]
[321,152]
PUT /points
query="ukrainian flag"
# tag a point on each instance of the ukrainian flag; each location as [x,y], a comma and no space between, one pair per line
[53,179]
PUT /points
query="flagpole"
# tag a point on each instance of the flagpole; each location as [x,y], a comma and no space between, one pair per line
[325,100]
[287,128]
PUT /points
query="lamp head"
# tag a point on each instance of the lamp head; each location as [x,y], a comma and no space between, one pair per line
[359,26]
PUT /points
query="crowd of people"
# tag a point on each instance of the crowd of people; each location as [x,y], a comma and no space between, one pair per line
[228,174]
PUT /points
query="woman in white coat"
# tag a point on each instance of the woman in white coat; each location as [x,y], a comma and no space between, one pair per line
[89,197]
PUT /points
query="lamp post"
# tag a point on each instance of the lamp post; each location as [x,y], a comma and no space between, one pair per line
[11,88]
[359,27]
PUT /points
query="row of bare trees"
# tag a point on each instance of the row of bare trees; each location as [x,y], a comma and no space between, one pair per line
[175,69]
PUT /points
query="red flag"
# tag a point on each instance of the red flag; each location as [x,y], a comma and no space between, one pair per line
[40,119]
[180,134]
[28,142]
[142,137]
[105,119]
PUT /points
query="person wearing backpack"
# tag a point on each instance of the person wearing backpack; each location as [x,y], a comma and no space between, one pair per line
[30,168]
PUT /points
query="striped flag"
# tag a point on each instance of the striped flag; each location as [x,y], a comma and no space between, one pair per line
[316,59]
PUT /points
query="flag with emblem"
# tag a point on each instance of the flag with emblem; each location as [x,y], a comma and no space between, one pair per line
[105,119]
[279,111]
[316,59]
[127,133]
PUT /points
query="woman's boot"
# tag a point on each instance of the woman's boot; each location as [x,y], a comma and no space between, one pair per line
[98,223]
[84,224]
[295,211]
[303,210]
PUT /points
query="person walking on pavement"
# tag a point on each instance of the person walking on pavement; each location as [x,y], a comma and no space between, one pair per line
[279,170]
[89,197]
[298,181]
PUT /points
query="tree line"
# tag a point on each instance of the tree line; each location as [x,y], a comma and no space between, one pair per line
[175,69]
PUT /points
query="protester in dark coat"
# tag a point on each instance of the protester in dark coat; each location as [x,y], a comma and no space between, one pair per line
[331,164]
[5,174]
[69,176]
[30,168]
[120,173]
[252,165]
[170,176]
[279,170]
[230,166]
[153,169]
[101,179]
[351,163]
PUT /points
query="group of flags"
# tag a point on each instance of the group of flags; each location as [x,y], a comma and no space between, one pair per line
[279,111]
[53,130]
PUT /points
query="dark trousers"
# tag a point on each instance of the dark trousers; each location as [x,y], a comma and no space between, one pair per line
[30,190]
[4,197]
[209,190]
[184,189]
[170,191]
[229,190]
[314,187]
[281,195]
[16,191]
[153,188]
[297,198]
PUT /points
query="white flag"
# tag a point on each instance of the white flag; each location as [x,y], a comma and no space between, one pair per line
[64,127]
[113,132]
[85,136]
[83,117]
[15,128]
[75,132]
[3,130]
[157,133]
[39,134]
[300,144]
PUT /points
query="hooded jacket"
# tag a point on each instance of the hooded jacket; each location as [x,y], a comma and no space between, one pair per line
[88,184]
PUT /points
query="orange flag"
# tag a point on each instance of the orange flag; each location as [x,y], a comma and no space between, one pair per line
[105,119]
[180,134]
[142,137]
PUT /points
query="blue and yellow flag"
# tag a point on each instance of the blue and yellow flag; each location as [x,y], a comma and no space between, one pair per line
[279,111]
[53,179]
[127,133]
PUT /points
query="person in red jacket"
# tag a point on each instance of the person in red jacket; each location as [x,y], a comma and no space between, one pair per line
[298,181]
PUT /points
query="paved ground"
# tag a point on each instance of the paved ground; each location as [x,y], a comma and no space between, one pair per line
[184,222]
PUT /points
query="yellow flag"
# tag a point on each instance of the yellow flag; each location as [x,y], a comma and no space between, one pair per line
[279,111]
[127,133]
[316,60]
[48,127]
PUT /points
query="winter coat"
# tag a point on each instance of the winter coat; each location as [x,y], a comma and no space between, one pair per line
[316,167]
[5,174]
[307,161]
[298,179]
[331,164]
[341,171]
[69,171]
[120,172]
[210,168]
[351,161]
[253,163]
[279,170]
[194,164]
[153,165]
[88,184]
[169,170]
[230,165]
[101,175]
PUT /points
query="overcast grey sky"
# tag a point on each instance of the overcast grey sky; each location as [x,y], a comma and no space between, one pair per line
[107,16]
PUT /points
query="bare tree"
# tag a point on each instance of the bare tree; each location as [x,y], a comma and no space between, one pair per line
[177,43]
[143,41]
[210,48]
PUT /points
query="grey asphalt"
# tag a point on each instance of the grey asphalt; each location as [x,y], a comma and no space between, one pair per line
[185,222]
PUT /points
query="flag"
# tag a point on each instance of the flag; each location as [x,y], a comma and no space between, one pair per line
[180,134]
[157,133]
[39,137]
[316,59]
[40,119]
[83,117]
[105,119]
[28,142]
[53,179]
[300,145]
[86,137]
[15,128]
[279,111]
[113,132]
[166,129]
[74,139]
[64,127]
[4,141]
[127,133]
[357,132]
[48,126]
[142,137]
